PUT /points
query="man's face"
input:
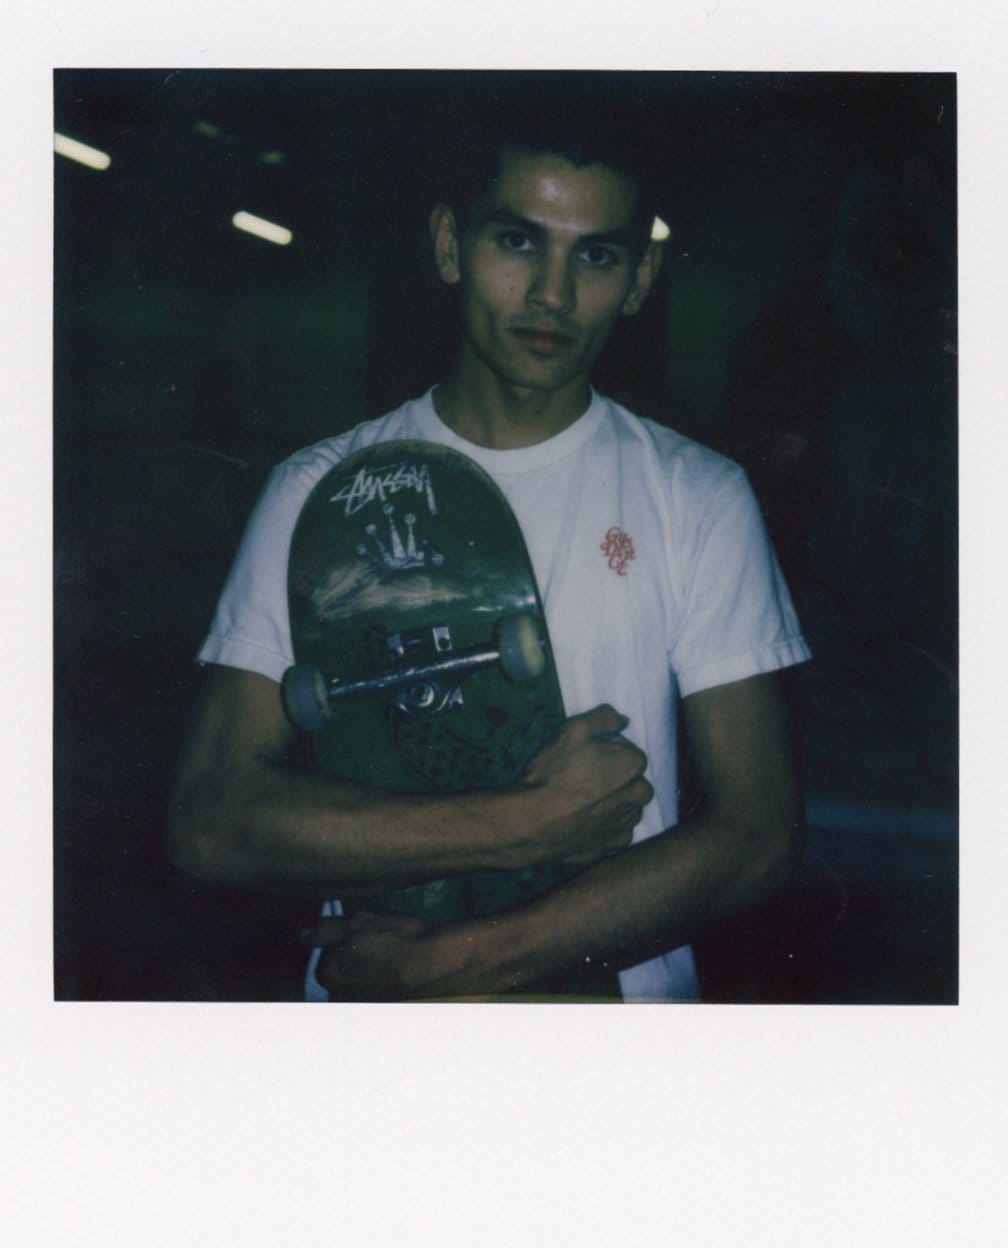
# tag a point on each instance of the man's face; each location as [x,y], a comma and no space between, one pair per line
[546,267]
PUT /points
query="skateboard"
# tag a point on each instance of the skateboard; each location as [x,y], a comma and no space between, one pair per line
[422,658]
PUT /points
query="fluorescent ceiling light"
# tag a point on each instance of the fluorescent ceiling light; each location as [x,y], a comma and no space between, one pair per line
[659,231]
[89,156]
[262,229]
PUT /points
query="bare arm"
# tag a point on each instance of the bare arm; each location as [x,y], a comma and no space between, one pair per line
[654,895]
[242,814]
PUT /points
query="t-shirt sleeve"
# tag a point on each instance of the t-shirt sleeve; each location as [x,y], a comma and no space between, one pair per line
[738,618]
[251,626]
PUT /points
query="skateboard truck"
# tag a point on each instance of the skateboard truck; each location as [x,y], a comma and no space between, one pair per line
[416,682]
[425,696]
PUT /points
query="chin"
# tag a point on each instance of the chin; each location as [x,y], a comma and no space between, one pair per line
[542,381]
[548,374]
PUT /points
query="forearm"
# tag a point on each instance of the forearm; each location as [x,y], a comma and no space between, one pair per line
[242,814]
[275,827]
[654,896]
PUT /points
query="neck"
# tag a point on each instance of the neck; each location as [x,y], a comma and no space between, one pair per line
[487,410]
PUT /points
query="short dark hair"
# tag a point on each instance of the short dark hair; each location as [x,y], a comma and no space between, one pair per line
[582,132]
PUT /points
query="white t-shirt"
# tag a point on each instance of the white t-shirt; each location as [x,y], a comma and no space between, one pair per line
[655,571]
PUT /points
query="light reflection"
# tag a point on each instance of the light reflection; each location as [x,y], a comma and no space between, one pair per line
[80,152]
[272,232]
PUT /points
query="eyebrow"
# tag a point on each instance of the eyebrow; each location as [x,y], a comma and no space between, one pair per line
[620,237]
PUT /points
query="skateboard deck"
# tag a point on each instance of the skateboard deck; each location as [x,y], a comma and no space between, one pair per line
[422,658]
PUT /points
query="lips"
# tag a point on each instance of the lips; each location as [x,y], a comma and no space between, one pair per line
[543,341]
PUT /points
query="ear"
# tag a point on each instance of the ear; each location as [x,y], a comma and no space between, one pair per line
[444,235]
[644,279]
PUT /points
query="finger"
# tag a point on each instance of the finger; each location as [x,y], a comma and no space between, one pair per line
[621,823]
[632,750]
[617,740]
[641,791]
[332,975]
[326,934]
[636,791]
[605,720]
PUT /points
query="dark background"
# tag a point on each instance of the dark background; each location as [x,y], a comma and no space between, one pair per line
[805,323]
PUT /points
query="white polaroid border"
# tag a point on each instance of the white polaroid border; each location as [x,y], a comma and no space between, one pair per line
[415,1125]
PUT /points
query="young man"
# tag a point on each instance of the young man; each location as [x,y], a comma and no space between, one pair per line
[654,570]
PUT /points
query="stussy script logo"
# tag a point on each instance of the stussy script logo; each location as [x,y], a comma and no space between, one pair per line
[367,486]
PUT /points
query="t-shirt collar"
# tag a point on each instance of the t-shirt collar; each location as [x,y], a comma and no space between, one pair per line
[521,459]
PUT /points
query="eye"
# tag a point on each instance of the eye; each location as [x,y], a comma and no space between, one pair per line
[597,256]
[515,240]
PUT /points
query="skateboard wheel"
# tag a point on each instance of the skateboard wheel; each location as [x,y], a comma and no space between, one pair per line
[305,699]
[520,643]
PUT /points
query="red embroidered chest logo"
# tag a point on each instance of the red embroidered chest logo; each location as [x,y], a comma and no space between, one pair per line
[618,548]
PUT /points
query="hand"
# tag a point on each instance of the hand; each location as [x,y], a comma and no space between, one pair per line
[591,788]
[378,957]
[368,957]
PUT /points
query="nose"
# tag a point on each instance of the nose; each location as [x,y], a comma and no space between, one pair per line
[552,286]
